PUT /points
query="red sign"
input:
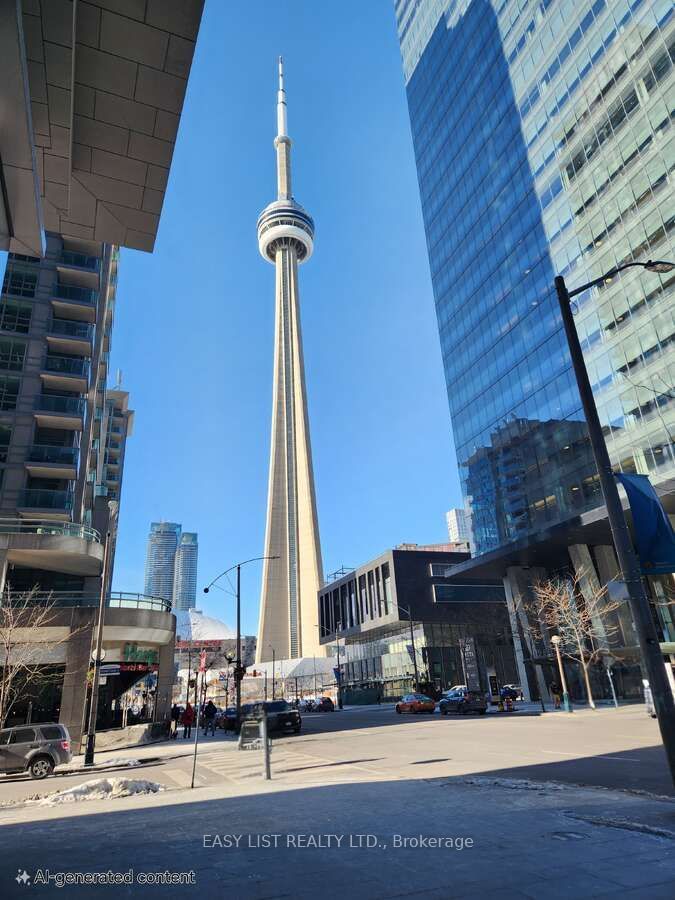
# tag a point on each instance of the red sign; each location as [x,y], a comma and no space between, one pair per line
[138,667]
[197,645]
[202,661]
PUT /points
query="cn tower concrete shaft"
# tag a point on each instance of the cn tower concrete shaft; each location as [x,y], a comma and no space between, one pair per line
[289,620]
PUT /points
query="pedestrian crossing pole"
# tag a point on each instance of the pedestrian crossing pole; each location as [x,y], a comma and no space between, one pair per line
[202,672]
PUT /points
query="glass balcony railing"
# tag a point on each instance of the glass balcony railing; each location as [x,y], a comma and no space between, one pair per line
[66,365]
[40,526]
[73,406]
[45,453]
[115,600]
[81,260]
[70,328]
[36,498]
[73,292]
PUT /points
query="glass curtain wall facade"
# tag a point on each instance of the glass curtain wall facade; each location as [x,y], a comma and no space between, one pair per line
[544,145]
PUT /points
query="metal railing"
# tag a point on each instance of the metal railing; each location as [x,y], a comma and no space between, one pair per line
[81,260]
[74,292]
[66,365]
[39,498]
[55,403]
[46,453]
[42,526]
[115,600]
[71,328]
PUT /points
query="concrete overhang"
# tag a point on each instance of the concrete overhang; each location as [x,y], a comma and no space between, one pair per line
[21,229]
[54,552]
[91,94]
[549,548]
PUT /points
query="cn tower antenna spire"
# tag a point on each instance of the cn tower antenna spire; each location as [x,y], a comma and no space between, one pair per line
[282,126]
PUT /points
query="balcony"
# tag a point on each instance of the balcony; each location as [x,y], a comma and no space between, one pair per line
[78,269]
[53,411]
[50,504]
[115,600]
[42,527]
[52,541]
[65,373]
[72,302]
[46,461]
[69,337]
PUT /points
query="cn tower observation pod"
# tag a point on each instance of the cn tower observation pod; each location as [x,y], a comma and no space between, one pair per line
[282,223]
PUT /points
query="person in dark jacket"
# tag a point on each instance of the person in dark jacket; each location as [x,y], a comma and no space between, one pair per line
[175,717]
[210,712]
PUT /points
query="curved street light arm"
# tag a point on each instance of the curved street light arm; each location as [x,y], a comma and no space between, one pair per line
[650,265]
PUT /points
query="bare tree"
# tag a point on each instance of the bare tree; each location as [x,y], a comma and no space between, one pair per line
[23,670]
[583,621]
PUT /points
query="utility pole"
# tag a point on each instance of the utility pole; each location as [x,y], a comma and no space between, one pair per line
[98,651]
[631,573]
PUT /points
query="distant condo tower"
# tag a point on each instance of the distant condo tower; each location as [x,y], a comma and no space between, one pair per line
[289,620]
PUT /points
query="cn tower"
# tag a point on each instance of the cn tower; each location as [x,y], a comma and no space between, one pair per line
[289,619]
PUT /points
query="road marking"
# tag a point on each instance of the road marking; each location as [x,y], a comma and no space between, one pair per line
[620,758]
[182,779]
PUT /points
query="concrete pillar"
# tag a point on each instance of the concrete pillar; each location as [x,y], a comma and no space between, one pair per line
[608,570]
[517,585]
[589,584]
[517,643]
[165,679]
[3,570]
[74,692]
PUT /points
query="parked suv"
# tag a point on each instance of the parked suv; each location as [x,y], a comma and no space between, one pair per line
[34,748]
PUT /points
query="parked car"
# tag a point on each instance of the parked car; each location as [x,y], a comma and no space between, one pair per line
[415,703]
[37,749]
[324,704]
[280,715]
[227,719]
[462,702]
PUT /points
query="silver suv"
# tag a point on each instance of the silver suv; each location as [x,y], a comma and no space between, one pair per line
[34,748]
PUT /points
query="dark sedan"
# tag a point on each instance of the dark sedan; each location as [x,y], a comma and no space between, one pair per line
[462,702]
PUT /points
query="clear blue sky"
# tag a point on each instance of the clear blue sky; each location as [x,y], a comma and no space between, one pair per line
[194,321]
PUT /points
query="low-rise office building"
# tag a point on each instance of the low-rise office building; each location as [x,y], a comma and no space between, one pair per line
[398,620]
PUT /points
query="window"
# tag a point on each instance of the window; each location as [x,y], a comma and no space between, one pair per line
[12,355]
[387,587]
[51,732]
[22,736]
[9,391]
[15,317]
[20,281]
[5,438]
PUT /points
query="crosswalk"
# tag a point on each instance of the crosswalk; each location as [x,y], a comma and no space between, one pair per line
[289,765]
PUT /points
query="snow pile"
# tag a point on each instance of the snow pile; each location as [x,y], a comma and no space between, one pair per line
[518,784]
[116,762]
[100,789]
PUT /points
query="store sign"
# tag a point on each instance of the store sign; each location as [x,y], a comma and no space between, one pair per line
[135,654]
[138,667]
[110,669]
[198,645]
[470,660]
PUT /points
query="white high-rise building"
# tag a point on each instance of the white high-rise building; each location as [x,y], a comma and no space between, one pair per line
[289,621]
[458,527]
[160,559]
[185,572]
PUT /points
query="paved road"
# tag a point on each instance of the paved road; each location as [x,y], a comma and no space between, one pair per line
[609,748]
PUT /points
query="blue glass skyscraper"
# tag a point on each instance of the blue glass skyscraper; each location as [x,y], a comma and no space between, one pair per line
[544,145]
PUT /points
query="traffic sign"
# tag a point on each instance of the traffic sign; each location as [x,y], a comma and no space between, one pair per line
[110,669]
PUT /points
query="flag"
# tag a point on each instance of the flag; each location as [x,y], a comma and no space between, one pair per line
[654,534]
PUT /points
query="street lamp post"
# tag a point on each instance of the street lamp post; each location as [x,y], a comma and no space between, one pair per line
[238,670]
[339,678]
[555,640]
[631,574]
[113,508]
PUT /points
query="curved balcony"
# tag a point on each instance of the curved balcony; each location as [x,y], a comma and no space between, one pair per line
[43,526]
[115,600]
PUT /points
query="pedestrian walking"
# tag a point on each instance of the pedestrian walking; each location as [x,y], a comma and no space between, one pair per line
[175,718]
[555,693]
[210,712]
[188,719]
